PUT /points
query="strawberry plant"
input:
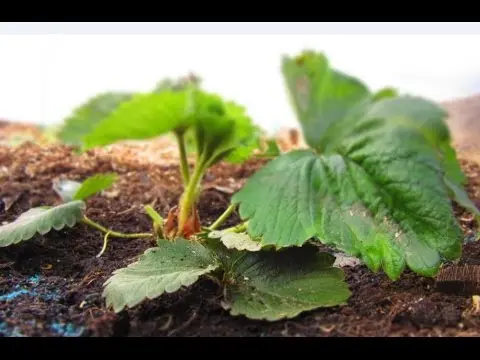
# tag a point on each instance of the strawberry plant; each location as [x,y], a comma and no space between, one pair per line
[259,283]
[376,181]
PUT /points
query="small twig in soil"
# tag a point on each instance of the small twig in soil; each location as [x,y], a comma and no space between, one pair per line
[135,207]
[185,324]
[167,324]
[105,243]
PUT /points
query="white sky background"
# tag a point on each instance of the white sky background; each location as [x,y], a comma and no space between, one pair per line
[44,76]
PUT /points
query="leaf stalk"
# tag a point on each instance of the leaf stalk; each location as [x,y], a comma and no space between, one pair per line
[103,229]
[180,136]
[222,218]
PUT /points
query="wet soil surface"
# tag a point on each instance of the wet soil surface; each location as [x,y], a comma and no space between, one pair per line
[52,285]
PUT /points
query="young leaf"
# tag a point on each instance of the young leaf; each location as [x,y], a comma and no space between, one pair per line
[320,95]
[388,170]
[272,149]
[41,220]
[220,129]
[88,115]
[271,285]
[143,117]
[94,184]
[238,241]
[165,268]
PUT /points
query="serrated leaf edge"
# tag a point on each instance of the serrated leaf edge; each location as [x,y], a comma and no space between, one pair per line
[69,222]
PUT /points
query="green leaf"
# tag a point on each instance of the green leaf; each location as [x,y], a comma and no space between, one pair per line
[451,164]
[85,117]
[41,220]
[320,95]
[95,184]
[461,197]
[380,188]
[163,269]
[143,117]
[271,285]
[223,130]
[381,197]
[220,129]
[238,241]
[271,151]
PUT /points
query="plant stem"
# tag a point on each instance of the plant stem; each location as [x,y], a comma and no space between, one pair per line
[97,226]
[189,196]
[223,217]
[180,135]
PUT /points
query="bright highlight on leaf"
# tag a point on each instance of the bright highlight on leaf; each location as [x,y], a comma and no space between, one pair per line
[94,184]
[238,241]
[163,269]
[66,189]
[374,186]
[41,220]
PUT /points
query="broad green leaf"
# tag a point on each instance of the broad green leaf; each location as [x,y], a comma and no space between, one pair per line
[41,220]
[238,241]
[379,187]
[326,101]
[143,117]
[94,184]
[429,119]
[381,198]
[320,95]
[220,129]
[85,117]
[163,269]
[271,285]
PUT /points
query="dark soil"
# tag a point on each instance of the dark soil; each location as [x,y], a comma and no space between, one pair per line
[52,286]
